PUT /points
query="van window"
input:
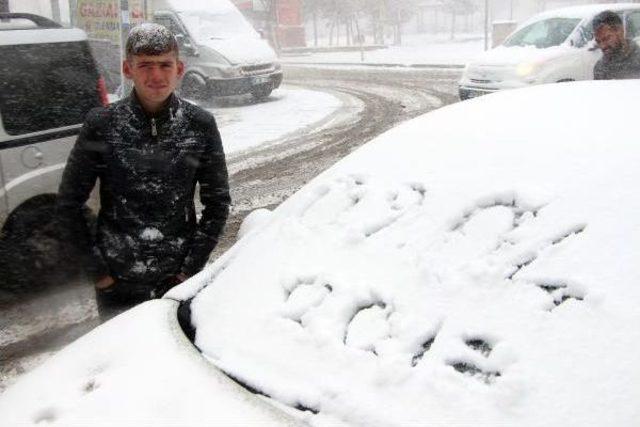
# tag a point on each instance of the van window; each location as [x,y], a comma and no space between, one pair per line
[633,25]
[223,25]
[543,34]
[169,23]
[46,86]
[584,35]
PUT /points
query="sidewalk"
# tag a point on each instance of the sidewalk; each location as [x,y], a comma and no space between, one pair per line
[417,50]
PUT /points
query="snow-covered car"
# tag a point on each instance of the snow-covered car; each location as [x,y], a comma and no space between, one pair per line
[554,46]
[222,52]
[481,275]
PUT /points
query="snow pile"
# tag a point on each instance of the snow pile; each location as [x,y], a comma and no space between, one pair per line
[475,266]
[244,127]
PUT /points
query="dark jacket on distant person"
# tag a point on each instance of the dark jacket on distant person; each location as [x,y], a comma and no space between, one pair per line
[148,168]
[620,65]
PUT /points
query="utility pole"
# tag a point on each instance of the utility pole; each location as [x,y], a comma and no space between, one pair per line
[124,32]
[486,24]
[55,10]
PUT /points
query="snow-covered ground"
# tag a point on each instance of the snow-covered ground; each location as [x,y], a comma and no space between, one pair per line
[246,126]
[473,266]
[415,49]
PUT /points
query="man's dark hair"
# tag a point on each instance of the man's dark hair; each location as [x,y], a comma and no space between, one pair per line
[606,18]
[150,39]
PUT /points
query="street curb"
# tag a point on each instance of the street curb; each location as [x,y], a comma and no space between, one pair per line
[294,51]
[381,65]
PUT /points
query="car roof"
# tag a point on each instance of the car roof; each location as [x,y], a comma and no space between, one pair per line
[27,28]
[37,35]
[582,12]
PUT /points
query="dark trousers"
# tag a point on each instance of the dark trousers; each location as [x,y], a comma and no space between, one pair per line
[124,295]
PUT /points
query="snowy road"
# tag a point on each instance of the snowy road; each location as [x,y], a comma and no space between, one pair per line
[372,101]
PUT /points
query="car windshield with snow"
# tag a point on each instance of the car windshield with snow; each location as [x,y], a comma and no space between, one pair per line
[543,34]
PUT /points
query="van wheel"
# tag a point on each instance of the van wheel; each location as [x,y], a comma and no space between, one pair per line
[260,93]
[32,254]
[193,86]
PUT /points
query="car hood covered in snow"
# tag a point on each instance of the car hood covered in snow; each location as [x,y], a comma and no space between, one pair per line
[137,369]
[509,56]
[242,50]
[473,266]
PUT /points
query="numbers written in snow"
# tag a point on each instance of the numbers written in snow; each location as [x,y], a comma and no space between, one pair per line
[515,238]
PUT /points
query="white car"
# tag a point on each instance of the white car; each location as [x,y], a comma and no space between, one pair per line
[554,46]
[441,275]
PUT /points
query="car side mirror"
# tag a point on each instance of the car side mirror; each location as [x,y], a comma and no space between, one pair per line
[185,44]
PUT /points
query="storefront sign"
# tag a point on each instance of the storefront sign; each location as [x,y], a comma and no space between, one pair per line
[101,18]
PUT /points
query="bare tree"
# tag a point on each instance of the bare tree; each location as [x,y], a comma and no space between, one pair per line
[458,7]
[399,12]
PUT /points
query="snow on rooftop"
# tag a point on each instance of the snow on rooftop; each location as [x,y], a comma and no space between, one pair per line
[583,11]
[41,35]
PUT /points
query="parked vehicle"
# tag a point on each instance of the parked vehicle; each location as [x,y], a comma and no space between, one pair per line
[48,82]
[462,279]
[223,54]
[554,46]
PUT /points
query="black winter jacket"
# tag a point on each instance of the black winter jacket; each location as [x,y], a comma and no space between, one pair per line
[148,168]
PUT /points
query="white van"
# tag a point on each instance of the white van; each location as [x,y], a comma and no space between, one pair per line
[554,46]
[223,53]
[48,82]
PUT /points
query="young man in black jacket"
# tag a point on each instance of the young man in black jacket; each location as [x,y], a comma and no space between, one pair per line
[148,151]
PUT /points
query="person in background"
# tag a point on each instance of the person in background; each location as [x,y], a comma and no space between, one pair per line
[620,56]
[148,151]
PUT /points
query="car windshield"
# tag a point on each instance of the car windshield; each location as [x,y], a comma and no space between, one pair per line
[206,26]
[546,33]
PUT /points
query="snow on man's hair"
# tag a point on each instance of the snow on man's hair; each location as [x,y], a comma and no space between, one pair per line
[150,39]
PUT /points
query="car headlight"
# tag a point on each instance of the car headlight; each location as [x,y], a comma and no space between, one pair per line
[526,69]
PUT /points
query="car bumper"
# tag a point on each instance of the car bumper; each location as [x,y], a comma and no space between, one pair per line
[242,85]
[468,92]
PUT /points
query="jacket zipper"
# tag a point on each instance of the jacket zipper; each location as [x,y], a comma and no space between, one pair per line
[154,129]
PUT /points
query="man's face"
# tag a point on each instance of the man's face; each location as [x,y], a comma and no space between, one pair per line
[610,39]
[154,77]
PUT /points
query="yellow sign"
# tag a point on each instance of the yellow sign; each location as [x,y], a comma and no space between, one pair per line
[100,19]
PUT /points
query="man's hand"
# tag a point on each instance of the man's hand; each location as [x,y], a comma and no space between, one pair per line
[105,282]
